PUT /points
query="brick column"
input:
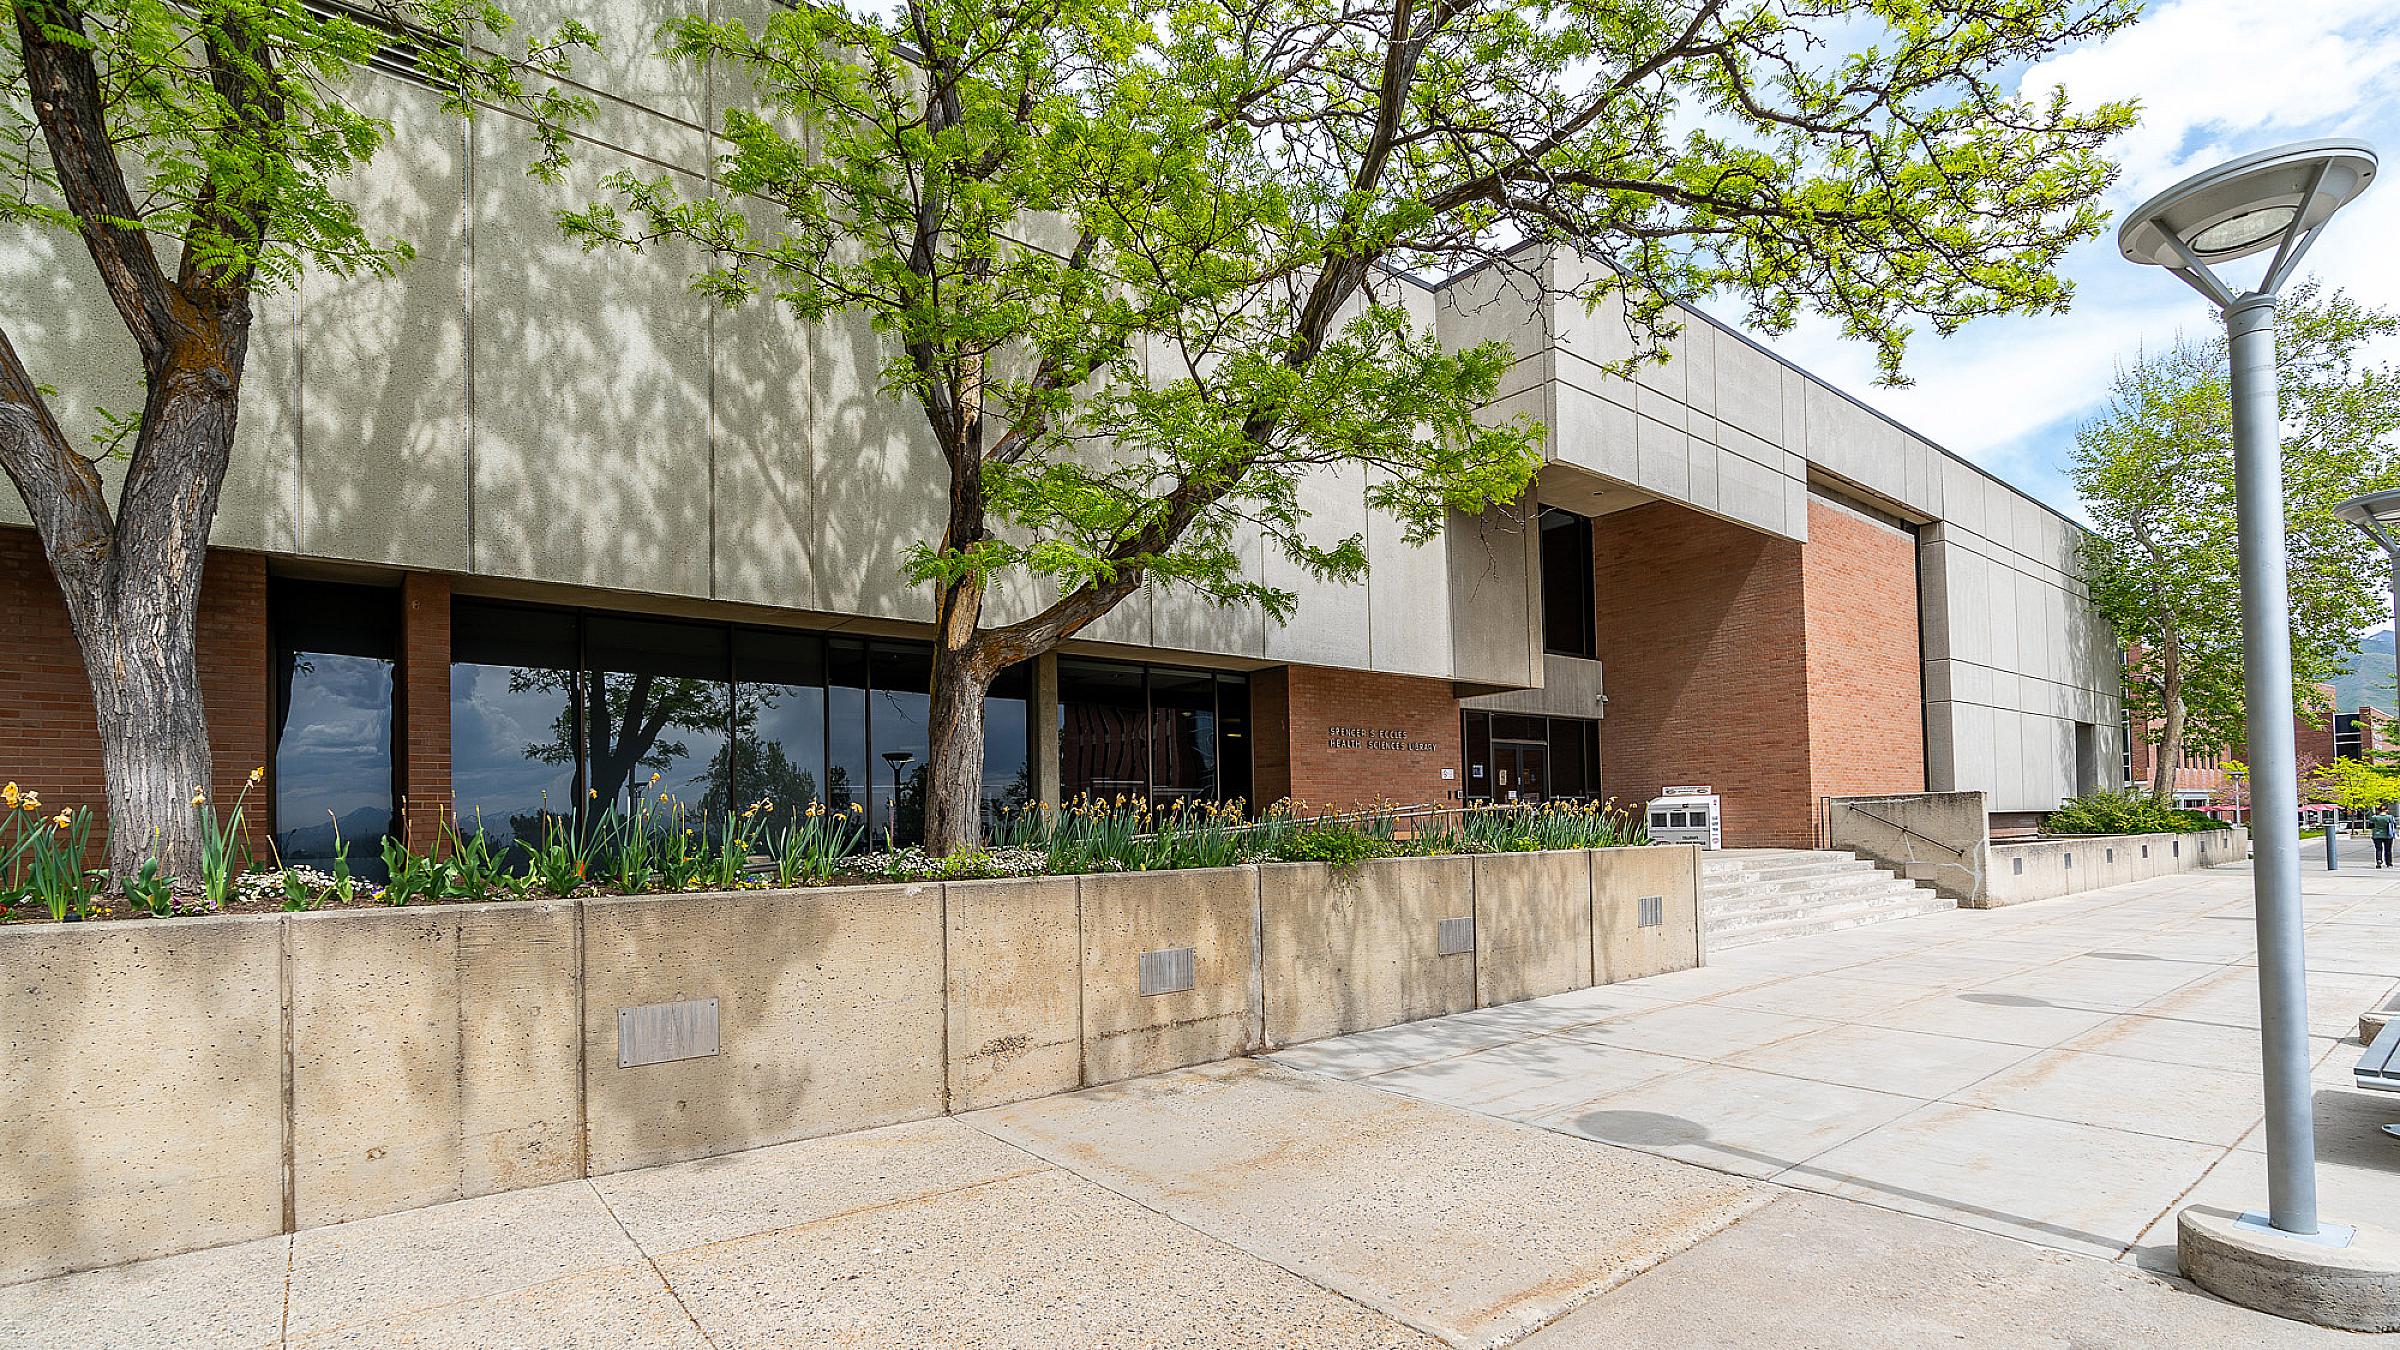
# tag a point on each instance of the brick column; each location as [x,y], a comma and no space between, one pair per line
[236,687]
[422,703]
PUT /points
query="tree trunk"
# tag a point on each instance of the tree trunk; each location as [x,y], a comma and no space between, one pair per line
[138,649]
[954,753]
[2168,760]
[133,598]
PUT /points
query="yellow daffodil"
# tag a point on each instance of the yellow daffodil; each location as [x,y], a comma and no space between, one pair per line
[9,794]
[33,801]
[62,820]
[258,774]
[198,798]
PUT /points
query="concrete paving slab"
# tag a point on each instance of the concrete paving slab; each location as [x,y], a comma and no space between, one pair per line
[1991,1015]
[2174,1101]
[2230,998]
[2080,1188]
[1701,1031]
[1848,1276]
[372,1270]
[226,1296]
[1388,1048]
[2117,981]
[2178,1040]
[1047,1259]
[1909,1063]
[1527,1078]
[1929,971]
[1464,1227]
[1735,1120]
[682,1205]
[601,1310]
[1834,997]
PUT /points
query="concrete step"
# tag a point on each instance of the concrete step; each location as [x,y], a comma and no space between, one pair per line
[1811,883]
[1757,895]
[1889,897]
[1806,925]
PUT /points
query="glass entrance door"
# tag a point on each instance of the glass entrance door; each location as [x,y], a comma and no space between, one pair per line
[1522,771]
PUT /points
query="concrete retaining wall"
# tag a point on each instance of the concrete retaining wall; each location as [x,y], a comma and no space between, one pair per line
[172,1086]
[2042,869]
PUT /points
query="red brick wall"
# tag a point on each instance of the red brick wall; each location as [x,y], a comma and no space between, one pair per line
[1702,630]
[48,738]
[423,707]
[1866,691]
[1301,712]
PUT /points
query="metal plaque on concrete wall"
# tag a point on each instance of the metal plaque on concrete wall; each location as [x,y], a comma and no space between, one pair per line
[1169,970]
[657,1033]
[1456,937]
[1653,912]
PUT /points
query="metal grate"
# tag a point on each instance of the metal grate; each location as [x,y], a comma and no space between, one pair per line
[2145,850]
[2017,866]
[2070,862]
[657,1033]
[2177,845]
[1456,937]
[1170,970]
[1653,911]
[2112,856]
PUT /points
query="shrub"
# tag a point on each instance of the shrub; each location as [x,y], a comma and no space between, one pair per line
[2127,812]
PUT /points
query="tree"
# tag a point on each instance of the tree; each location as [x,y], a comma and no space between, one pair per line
[1139,265]
[2155,473]
[196,147]
[2354,785]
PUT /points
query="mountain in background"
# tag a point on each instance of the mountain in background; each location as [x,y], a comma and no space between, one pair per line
[2369,678]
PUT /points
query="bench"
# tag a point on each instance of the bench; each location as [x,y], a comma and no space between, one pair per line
[2379,1069]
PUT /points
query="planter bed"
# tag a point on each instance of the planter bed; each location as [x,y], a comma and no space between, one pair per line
[177,1085]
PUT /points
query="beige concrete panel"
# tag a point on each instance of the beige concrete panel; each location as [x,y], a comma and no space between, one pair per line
[1214,912]
[1751,494]
[1695,350]
[1533,925]
[434,1056]
[1329,628]
[1501,303]
[1599,335]
[1359,948]
[879,477]
[1593,433]
[768,443]
[1659,405]
[1015,990]
[383,434]
[655,107]
[70,338]
[258,507]
[1407,594]
[1795,411]
[1705,462]
[590,391]
[1495,613]
[1749,389]
[1181,620]
[1622,948]
[1663,459]
[141,1090]
[829,1007]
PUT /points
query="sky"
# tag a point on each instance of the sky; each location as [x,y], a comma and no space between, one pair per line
[2215,79]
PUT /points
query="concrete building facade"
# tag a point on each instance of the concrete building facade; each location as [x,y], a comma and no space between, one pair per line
[510,532]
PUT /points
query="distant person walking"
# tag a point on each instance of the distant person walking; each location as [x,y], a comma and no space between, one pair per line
[2379,828]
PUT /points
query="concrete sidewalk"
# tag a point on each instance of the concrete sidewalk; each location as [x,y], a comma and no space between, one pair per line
[1938,1129]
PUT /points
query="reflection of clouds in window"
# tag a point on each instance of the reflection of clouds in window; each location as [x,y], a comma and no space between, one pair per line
[334,759]
[495,734]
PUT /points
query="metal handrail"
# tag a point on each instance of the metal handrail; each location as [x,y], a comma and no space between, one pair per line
[1952,849]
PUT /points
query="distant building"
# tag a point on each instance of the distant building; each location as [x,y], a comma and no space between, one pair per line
[2203,784]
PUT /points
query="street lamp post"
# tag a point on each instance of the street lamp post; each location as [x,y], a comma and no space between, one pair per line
[2378,514]
[2276,199]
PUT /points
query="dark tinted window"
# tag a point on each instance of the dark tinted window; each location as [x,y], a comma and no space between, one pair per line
[1568,615]
[900,684]
[336,649]
[779,719]
[1234,781]
[1007,744]
[657,712]
[1183,736]
[845,724]
[1103,730]
[513,736]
